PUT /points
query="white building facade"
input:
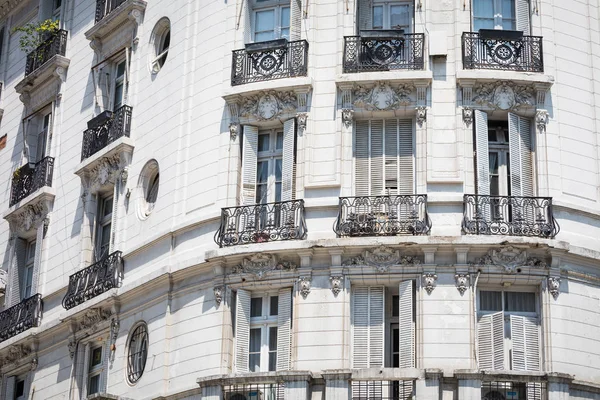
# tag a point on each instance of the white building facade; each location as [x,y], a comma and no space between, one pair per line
[301,199]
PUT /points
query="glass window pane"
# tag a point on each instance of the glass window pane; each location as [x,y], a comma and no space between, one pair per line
[105,235]
[121,70]
[490,301]
[118,96]
[263,142]
[508,9]
[493,160]
[285,33]
[94,384]
[483,8]
[399,17]
[20,388]
[264,36]
[279,144]
[274,305]
[395,306]
[278,169]
[519,301]
[261,194]
[273,361]
[378,17]
[285,17]
[265,25]
[508,24]
[107,206]
[481,23]
[255,340]
[272,338]
[256,307]
[262,172]
[95,357]
[254,362]
[278,191]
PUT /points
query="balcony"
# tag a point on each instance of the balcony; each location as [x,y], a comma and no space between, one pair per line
[94,280]
[18,318]
[105,7]
[382,389]
[56,45]
[265,61]
[383,51]
[115,16]
[509,215]
[262,223]
[105,129]
[502,50]
[28,179]
[514,390]
[382,216]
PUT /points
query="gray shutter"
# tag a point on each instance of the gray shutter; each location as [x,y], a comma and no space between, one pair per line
[490,338]
[86,367]
[79,366]
[18,270]
[361,159]
[368,317]
[39,245]
[483,163]
[9,393]
[104,86]
[284,329]
[406,153]
[296,20]
[376,159]
[406,325]
[104,375]
[242,330]
[287,163]
[365,15]
[521,166]
[250,157]
[248,21]
[32,142]
[522,14]
[391,152]
[524,334]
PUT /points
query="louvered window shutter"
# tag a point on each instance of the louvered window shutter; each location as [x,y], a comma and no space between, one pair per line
[242,330]
[18,270]
[284,329]
[287,162]
[490,337]
[33,127]
[376,139]
[248,22]
[104,85]
[376,331]
[406,325]
[80,374]
[86,368]
[250,155]
[521,166]
[9,392]
[361,155]
[523,16]
[37,260]
[392,164]
[406,156]
[296,20]
[368,308]
[104,375]
[365,15]
[525,343]
[482,160]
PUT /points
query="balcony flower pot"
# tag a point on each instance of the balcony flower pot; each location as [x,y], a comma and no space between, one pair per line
[382,33]
[268,45]
[100,119]
[261,237]
[500,34]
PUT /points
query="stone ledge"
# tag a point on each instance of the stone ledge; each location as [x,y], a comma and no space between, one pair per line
[43,194]
[117,17]
[296,83]
[123,144]
[494,76]
[388,76]
[49,69]
[255,378]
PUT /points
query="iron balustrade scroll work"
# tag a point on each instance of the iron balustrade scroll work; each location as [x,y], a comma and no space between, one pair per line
[365,53]
[56,44]
[262,223]
[509,215]
[105,129]
[30,178]
[270,60]
[514,390]
[94,280]
[509,51]
[254,391]
[383,216]
[382,390]
[105,7]
[20,317]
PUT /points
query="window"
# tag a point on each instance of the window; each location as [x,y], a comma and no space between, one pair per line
[27,276]
[263,330]
[508,330]
[111,79]
[103,227]
[20,393]
[392,15]
[501,14]
[119,84]
[23,277]
[161,39]
[148,185]
[268,178]
[138,353]
[383,157]
[271,20]
[56,4]
[94,373]
[37,135]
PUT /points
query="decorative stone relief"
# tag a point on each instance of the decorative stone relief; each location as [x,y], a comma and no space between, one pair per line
[347,117]
[260,265]
[382,96]
[34,364]
[115,325]
[421,115]
[429,280]
[268,105]
[336,284]
[135,16]
[510,259]
[72,345]
[30,217]
[462,282]
[304,286]
[105,172]
[302,118]
[381,259]
[541,120]
[15,353]
[233,130]
[93,317]
[504,95]
[218,291]
[554,286]
[467,114]
[61,73]
[3,280]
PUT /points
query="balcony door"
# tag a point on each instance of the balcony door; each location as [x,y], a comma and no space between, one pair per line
[501,14]
[384,14]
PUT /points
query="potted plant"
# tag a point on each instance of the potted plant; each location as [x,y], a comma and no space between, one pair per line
[36,33]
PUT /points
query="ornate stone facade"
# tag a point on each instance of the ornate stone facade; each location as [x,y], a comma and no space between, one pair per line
[383,96]
[429,281]
[510,259]
[260,265]
[504,95]
[337,283]
[268,105]
[462,282]
[381,259]
[304,283]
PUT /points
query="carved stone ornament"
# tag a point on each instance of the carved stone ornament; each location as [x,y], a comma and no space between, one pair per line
[421,115]
[32,216]
[218,291]
[115,325]
[383,96]
[381,259]
[72,345]
[268,105]
[510,259]
[347,117]
[462,282]
[467,114]
[504,95]
[304,286]
[336,284]
[233,130]
[541,120]
[3,280]
[429,280]
[554,286]
[34,363]
[15,353]
[105,172]
[93,317]
[302,119]
[260,265]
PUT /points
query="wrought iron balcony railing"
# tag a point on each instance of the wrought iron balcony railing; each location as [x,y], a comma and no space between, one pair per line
[509,215]
[105,7]
[94,280]
[255,391]
[56,44]
[105,129]
[20,317]
[261,223]
[502,50]
[382,390]
[383,52]
[29,178]
[515,390]
[270,60]
[383,216]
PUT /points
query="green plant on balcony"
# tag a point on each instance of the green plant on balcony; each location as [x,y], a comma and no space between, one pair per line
[36,33]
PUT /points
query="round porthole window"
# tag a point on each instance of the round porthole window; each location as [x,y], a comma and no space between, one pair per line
[161,40]
[148,186]
[137,352]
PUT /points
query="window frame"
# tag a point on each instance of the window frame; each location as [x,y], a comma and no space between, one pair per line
[271,156]
[386,15]
[20,378]
[277,6]
[26,285]
[497,15]
[93,371]
[145,336]
[265,322]
[158,38]
[502,149]
[118,81]
[103,220]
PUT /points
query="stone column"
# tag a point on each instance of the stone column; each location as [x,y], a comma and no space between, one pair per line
[558,386]
[213,392]
[337,384]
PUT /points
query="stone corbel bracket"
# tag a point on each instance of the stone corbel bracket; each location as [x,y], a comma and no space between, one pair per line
[113,24]
[429,281]
[337,284]
[304,285]
[33,215]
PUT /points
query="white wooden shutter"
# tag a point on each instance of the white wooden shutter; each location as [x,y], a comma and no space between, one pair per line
[406,155]
[522,13]
[296,20]
[284,329]
[525,343]
[376,331]
[17,271]
[86,368]
[250,156]
[39,245]
[242,330]
[391,152]
[521,167]
[376,158]
[287,162]
[368,317]
[365,15]
[80,374]
[361,156]
[104,374]
[406,325]
[482,151]
[490,338]
[248,21]
[104,88]
[9,392]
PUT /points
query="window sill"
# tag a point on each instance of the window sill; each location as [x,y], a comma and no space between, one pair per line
[54,68]
[111,23]
[121,148]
